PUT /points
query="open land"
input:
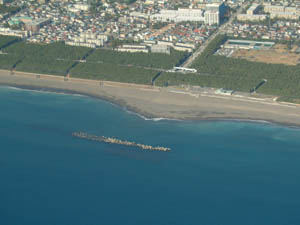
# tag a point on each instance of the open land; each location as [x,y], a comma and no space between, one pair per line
[278,54]
[154,102]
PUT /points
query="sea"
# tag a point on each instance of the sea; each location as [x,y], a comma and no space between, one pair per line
[217,173]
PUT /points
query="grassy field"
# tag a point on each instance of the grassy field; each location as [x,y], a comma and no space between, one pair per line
[5,40]
[238,74]
[44,66]
[242,75]
[7,61]
[215,71]
[54,58]
[58,58]
[125,67]
[154,60]
[22,49]
[214,81]
[112,72]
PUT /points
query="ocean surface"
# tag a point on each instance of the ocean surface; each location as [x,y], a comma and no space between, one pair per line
[218,173]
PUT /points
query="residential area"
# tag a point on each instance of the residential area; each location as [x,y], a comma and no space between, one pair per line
[110,24]
[157,42]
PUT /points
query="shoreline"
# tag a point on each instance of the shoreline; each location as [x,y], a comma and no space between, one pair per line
[152,103]
[144,117]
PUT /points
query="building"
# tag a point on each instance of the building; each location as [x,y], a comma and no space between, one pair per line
[245,44]
[91,40]
[251,14]
[223,91]
[214,13]
[179,15]
[282,12]
[274,8]
[18,20]
[82,6]
[212,17]
[182,48]
[187,45]
[35,25]
[293,10]
[168,43]
[133,48]
[42,1]
[32,26]
[160,49]
[253,9]
[217,7]
[247,17]
[284,15]
[81,44]
[16,33]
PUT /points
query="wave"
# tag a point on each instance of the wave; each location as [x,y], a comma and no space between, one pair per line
[155,119]
[11,87]
[248,120]
[43,90]
[56,92]
[144,117]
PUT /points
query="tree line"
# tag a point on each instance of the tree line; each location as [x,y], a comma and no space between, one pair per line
[238,74]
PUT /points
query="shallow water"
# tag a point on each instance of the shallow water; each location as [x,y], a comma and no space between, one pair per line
[217,173]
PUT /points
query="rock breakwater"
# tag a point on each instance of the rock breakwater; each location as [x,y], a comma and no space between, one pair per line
[111,140]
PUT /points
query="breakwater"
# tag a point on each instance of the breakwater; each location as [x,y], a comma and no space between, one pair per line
[116,141]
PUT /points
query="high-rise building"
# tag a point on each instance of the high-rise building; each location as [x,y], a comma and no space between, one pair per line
[219,7]
[214,13]
[212,17]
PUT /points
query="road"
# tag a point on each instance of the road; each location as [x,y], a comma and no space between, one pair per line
[220,30]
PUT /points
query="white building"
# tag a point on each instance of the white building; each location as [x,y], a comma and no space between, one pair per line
[187,45]
[179,15]
[82,6]
[253,9]
[16,33]
[284,15]
[182,48]
[160,49]
[247,17]
[211,14]
[81,44]
[212,17]
[273,8]
[282,12]
[219,7]
[91,40]
[251,14]
[133,48]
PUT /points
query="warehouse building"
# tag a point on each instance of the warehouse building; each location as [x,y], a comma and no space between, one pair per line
[245,44]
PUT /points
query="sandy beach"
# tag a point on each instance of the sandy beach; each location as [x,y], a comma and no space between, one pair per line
[155,102]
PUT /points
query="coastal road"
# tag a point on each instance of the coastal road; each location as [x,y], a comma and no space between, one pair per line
[220,30]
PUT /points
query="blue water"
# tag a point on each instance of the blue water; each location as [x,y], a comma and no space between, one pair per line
[218,173]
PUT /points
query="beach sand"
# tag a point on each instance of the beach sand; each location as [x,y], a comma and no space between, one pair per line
[154,102]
